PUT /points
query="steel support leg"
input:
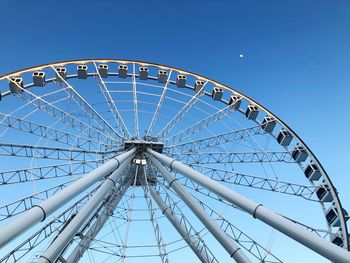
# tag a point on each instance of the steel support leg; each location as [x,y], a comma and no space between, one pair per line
[295,231]
[157,231]
[107,211]
[86,213]
[198,247]
[39,212]
[230,246]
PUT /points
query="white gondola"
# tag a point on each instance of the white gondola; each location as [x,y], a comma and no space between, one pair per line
[336,239]
[162,76]
[333,217]
[312,172]
[252,112]
[103,70]
[180,81]
[217,93]
[16,85]
[299,154]
[284,137]
[268,124]
[324,194]
[143,71]
[39,78]
[122,71]
[61,73]
[235,102]
[82,71]
[198,85]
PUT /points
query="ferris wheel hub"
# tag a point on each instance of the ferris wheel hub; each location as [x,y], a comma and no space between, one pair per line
[142,145]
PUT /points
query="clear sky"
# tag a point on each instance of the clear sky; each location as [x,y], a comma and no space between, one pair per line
[296,54]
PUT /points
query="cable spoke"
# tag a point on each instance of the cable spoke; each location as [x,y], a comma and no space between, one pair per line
[89,111]
[31,151]
[134,92]
[63,116]
[159,105]
[118,118]
[214,140]
[181,113]
[197,127]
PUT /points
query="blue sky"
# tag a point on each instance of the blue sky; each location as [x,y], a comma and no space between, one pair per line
[296,54]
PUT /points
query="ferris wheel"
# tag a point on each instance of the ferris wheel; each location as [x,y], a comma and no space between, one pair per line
[107,160]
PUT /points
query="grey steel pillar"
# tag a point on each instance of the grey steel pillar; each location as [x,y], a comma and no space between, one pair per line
[86,213]
[289,228]
[108,208]
[39,212]
[230,246]
[190,240]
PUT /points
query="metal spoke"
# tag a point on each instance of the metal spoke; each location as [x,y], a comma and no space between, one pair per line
[273,185]
[233,157]
[215,140]
[159,105]
[66,118]
[197,127]
[118,118]
[89,111]
[181,113]
[31,174]
[49,133]
[31,151]
[134,92]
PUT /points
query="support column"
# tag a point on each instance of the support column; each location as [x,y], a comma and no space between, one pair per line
[39,212]
[86,213]
[108,208]
[289,228]
[230,246]
[192,242]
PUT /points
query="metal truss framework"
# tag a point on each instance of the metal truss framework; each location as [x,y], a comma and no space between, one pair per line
[262,183]
[50,133]
[233,157]
[215,140]
[67,218]
[31,174]
[68,119]
[30,151]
